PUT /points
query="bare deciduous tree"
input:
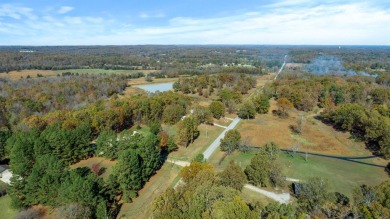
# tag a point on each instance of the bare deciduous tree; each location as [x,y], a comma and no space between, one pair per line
[75,211]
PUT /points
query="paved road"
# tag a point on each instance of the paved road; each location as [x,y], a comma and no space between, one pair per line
[210,150]
[281,68]
[283,198]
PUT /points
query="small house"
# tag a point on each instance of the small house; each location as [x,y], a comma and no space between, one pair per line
[5,174]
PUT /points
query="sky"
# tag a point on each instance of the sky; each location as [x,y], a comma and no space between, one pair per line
[136,22]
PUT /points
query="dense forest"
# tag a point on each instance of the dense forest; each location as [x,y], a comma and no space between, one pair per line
[23,98]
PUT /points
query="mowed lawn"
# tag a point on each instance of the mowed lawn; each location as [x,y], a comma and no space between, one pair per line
[6,212]
[343,176]
[141,207]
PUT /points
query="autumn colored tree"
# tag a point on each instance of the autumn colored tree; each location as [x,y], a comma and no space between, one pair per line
[96,169]
[164,138]
[189,172]
[284,105]
[188,131]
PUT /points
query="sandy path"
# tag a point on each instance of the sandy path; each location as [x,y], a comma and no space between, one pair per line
[281,198]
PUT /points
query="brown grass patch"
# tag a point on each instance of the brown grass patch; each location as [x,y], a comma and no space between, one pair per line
[315,137]
[204,103]
[130,91]
[222,121]
[17,75]
[103,162]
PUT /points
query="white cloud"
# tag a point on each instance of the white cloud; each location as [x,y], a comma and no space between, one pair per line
[65,9]
[145,15]
[16,12]
[348,23]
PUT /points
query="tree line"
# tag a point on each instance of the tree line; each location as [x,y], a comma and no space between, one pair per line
[137,57]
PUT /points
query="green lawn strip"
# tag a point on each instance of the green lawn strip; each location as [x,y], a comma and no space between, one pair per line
[6,212]
[343,176]
[102,71]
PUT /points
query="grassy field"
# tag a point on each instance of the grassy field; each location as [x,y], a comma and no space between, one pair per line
[141,206]
[6,211]
[316,136]
[343,175]
[104,71]
[103,162]
[16,75]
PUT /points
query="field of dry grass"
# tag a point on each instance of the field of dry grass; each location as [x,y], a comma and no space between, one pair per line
[316,136]
[103,162]
[16,75]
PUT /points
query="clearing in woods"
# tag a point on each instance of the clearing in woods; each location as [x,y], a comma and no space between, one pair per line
[104,163]
[316,136]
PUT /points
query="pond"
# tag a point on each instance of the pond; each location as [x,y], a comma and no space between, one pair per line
[156,87]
